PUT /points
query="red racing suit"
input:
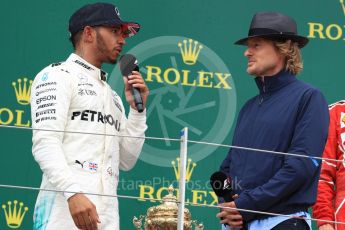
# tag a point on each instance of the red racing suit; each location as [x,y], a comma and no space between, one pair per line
[330,204]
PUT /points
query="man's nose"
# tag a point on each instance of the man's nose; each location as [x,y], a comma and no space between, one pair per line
[247,52]
[122,40]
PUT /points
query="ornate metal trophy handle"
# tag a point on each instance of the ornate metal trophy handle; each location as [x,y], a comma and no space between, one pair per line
[138,222]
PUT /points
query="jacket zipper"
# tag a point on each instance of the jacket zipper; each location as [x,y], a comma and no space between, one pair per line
[263,92]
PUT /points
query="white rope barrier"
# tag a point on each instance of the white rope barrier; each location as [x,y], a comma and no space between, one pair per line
[179,140]
[266,151]
[91,133]
[178,202]
[161,200]
[265,213]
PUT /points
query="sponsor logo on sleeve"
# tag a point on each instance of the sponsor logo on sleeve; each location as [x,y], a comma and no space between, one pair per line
[45,91]
[45,98]
[44,77]
[45,119]
[342,120]
[45,112]
[46,84]
[116,101]
[83,92]
[46,105]
[117,104]
[56,64]
[83,65]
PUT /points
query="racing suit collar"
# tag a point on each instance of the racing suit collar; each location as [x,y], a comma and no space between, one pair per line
[86,66]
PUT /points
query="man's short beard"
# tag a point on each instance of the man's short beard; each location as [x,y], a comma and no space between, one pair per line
[102,48]
[261,72]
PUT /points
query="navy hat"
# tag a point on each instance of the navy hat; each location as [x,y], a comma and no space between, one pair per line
[274,26]
[100,14]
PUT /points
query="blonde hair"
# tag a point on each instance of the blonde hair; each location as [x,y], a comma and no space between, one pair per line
[292,53]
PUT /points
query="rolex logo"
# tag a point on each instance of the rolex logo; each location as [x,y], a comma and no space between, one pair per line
[14,216]
[23,90]
[190,51]
[189,170]
[342,5]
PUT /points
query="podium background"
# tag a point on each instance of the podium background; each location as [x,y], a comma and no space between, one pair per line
[34,34]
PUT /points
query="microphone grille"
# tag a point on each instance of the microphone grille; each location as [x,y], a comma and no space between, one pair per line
[128,63]
[217,181]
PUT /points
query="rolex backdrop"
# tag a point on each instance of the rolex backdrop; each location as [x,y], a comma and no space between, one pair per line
[197,79]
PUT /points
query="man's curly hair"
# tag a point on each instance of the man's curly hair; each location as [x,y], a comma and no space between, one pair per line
[292,53]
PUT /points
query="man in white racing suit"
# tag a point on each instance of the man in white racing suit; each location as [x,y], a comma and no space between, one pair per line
[81,135]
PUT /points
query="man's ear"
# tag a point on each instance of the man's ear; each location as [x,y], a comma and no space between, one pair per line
[89,34]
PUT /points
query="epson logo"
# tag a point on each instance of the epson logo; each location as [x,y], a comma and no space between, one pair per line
[94,116]
[46,98]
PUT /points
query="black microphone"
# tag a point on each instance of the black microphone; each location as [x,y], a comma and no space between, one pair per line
[221,185]
[129,63]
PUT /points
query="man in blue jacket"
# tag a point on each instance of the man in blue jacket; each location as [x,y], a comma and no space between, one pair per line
[287,116]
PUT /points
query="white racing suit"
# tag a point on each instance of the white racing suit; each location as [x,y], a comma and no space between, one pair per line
[73,99]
